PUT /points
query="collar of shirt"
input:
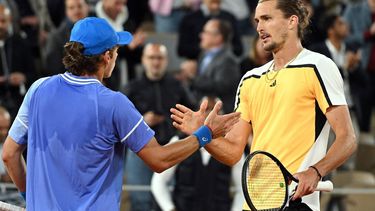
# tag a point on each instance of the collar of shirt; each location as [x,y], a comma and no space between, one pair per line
[79,80]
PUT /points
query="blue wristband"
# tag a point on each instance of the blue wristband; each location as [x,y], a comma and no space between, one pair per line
[23,194]
[203,135]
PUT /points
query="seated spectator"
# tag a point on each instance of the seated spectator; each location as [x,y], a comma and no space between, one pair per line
[360,17]
[17,69]
[188,70]
[242,11]
[54,50]
[192,25]
[168,14]
[347,57]
[218,72]
[117,14]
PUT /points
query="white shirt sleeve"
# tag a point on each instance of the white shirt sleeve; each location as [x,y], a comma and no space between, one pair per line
[238,198]
[332,81]
[160,190]
[159,185]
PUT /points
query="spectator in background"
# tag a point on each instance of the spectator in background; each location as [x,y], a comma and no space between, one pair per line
[36,22]
[11,4]
[241,10]
[169,13]
[4,128]
[57,13]
[153,95]
[347,59]
[192,25]
[256,57]
[139,11]
[188,70]
[218,71]
[54,49]
[313,33]
[17,69]
[361,19]
[199,175]
[116,13]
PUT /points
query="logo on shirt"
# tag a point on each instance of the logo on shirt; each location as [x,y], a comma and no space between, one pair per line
[204,139]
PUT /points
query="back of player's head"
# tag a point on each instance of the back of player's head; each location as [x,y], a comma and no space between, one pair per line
[90,38]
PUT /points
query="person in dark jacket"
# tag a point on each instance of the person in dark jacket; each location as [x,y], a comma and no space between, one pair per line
[153,95]
[192,25]
[54,50]
[17,69]
[218,71]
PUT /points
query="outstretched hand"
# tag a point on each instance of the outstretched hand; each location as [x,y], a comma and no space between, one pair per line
[188,121]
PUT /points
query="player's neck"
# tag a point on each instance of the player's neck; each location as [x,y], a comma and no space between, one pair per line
[286,54]
[98,75]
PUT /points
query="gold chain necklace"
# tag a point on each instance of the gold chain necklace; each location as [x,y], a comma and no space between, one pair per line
[272,80]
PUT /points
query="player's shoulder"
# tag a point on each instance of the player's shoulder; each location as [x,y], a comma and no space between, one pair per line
[258,71]
[310,58]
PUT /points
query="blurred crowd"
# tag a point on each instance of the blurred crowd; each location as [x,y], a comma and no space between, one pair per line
[216,42]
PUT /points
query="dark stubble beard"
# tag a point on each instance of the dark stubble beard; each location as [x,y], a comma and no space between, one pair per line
[273,46]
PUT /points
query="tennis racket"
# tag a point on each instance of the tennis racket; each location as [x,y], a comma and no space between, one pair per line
[265,182]
[10,207]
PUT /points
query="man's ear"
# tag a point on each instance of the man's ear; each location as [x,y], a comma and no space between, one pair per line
[293,22]
[107,57]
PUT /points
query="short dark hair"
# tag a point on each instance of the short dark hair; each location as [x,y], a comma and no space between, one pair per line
[77,63]
[224,29]
[294,7]
[328,21]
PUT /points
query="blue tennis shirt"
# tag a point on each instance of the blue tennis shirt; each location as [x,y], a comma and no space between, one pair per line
[76,130]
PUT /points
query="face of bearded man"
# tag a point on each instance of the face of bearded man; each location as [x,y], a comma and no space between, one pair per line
[4,23]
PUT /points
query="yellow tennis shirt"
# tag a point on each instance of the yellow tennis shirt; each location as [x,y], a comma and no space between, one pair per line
[287,110]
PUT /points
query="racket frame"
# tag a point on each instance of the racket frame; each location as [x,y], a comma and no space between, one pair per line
[287,178]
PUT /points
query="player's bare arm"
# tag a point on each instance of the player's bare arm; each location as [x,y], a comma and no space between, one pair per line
[14,162]
[341,149]
[160,158]
[228,149]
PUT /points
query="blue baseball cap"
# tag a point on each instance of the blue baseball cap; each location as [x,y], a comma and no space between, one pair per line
[97,36]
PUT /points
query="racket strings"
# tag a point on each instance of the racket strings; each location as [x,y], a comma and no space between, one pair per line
[265,183]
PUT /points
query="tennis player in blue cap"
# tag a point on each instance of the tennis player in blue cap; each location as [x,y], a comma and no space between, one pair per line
[75,130]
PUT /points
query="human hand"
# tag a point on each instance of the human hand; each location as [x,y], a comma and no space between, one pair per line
[139,38]
[17,78]
[220,124]
[31,20]
[153,119]
[308,181]
[352,60]
[189,69]
[3,79]
[186,120]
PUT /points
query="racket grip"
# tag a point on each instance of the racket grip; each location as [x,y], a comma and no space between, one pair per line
[325,186]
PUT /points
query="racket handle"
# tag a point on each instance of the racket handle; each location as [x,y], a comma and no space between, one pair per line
[325,186]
